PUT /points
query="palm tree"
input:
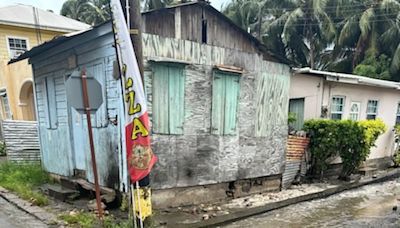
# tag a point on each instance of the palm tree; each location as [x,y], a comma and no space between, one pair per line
[91,12]
[368,31]
[303,32]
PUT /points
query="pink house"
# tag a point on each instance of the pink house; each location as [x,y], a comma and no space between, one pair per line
[322,94]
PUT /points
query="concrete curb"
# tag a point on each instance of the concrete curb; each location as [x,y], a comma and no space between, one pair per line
[245,213]
[36,211]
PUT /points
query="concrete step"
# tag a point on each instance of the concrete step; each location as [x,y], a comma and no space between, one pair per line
[108,195]
[367,171]
[61,193]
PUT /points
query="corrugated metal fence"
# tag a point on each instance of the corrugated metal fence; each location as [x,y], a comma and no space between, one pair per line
[295,159]
[22,141]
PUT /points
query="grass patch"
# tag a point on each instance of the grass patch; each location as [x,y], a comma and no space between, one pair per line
[79,219]
[24,180]
[89,220]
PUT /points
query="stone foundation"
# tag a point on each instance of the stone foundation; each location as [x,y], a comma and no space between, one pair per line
[187,196]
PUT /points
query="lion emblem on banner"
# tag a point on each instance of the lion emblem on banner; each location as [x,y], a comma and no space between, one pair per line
[141,157]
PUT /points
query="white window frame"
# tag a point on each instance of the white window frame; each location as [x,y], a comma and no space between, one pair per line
[398,113]
[338,112]
[355,113]
[372,113]
[5,106]
[16,37]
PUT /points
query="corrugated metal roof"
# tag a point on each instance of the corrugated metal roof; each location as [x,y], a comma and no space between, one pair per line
[24,16]
[350,78]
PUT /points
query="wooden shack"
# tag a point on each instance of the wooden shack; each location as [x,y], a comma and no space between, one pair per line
[218,104]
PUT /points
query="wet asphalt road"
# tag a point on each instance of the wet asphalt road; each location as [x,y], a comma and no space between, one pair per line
[12,217]
[370,206]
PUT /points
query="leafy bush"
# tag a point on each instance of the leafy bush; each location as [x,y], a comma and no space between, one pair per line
[23,180]
[292,117]
[351,140]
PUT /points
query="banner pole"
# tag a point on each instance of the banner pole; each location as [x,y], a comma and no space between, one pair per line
[133,206]
[138,200]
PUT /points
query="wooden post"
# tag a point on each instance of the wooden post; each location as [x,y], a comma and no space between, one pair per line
[92,152]
[135,24]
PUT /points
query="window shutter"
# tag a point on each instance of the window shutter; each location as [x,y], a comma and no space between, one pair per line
[218,104]
[160,99]
[176,99]
[231,103]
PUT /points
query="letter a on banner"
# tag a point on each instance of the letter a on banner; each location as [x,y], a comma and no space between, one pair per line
[139,154]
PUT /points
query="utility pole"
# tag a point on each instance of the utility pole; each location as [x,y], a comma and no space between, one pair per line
[135,24]
[134,20]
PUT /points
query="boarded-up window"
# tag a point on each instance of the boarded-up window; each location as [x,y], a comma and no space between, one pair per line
[49,93]
[225,94]
[168,99]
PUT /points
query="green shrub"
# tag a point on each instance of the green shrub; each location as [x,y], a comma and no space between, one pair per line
[351,140]
[292,117]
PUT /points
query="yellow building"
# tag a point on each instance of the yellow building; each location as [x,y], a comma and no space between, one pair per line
[21,28]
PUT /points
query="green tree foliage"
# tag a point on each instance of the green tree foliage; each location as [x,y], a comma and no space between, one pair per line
[336,35]
[92,12]
[374,67]
[351,140]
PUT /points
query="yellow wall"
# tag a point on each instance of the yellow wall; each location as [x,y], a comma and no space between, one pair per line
[13,76]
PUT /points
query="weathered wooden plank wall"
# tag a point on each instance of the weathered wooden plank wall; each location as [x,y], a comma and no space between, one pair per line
[196,19]
[67,139]
[22,141]
[197,157]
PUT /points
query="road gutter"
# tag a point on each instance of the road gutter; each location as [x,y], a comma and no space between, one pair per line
[245,213]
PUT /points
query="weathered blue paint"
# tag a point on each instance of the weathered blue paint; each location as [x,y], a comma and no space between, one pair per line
[63,131]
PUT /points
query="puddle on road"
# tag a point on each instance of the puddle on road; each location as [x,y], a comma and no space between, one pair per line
[370,206]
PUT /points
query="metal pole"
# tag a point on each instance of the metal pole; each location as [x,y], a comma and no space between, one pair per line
[92,152]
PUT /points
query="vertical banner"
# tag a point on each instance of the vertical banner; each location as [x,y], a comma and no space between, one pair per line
[140,157]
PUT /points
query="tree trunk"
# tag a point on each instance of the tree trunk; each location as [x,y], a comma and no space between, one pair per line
[311,40]
[259,23]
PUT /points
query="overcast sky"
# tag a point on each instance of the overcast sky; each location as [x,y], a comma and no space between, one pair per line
[55,5]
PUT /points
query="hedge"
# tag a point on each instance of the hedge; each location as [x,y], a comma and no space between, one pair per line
[351,140]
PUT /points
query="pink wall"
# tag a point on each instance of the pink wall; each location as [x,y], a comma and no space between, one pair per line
[316,90]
